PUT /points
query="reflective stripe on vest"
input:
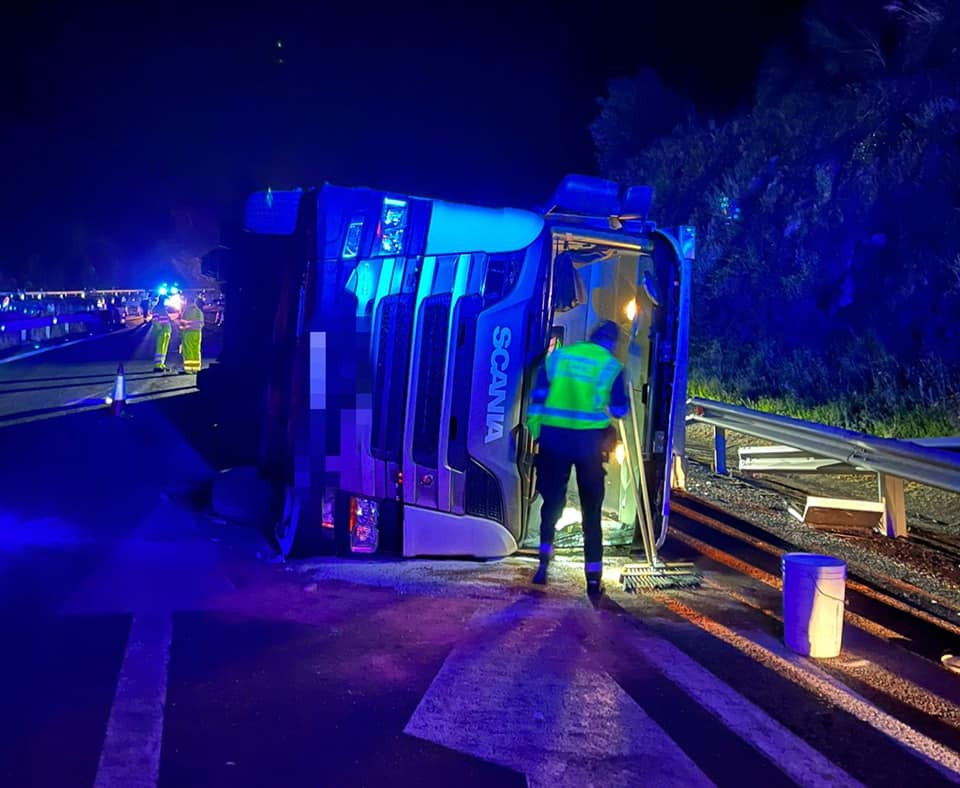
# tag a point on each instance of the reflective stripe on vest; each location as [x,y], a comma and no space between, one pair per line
[581,377]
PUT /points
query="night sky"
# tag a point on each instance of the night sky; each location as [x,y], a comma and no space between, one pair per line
[115,116]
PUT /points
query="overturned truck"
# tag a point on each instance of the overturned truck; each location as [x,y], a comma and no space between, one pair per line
[381,348]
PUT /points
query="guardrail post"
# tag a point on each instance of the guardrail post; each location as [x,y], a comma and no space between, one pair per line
[890,489]
[720,450]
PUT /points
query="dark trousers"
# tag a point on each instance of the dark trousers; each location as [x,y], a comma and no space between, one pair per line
[561,450]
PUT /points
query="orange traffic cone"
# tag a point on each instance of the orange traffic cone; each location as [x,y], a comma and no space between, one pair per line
[118,400]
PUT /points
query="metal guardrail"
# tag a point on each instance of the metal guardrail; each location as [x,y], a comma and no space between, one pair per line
[15,298]
[70,293]
[771,459]
[31,319]
[34,317]
[892,460]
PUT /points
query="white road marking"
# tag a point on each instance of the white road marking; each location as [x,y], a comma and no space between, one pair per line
[62,345]
[798,760]
[802,671]
[133,399]
[523,693]
[936,755]
[131,749]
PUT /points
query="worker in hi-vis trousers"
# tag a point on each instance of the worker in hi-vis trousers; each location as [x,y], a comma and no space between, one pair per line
[191,324]
[164,312]
[577,390]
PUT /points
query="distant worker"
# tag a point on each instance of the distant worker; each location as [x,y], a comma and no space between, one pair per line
[191,322]
[577,390]
[165,311]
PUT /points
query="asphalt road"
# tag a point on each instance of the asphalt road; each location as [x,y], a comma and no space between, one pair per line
[81,375]
[165,653]
[148,644]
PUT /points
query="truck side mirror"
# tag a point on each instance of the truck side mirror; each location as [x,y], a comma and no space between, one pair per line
[569,291]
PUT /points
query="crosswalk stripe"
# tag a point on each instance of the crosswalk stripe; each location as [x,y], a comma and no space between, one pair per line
[131,749]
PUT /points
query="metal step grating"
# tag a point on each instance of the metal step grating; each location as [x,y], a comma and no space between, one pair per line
[647,577]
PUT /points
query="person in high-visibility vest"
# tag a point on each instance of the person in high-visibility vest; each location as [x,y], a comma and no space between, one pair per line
[577,390]
[191,323]
[164,313]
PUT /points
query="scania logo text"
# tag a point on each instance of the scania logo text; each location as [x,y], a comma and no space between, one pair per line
[497,391]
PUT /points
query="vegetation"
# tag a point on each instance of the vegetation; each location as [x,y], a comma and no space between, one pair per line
[827,283]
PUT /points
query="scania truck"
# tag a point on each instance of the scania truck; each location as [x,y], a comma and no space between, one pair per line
[385,345]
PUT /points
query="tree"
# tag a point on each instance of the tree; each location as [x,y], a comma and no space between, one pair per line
[828,212]
[635,112]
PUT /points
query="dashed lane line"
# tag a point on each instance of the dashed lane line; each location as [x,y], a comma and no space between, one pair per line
[131,749]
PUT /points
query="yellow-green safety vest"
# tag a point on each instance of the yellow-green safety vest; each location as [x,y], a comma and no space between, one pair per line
[581,377]
[192,319]
[163,315]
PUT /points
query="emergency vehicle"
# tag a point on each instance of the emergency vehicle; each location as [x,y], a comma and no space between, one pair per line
[384,347]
